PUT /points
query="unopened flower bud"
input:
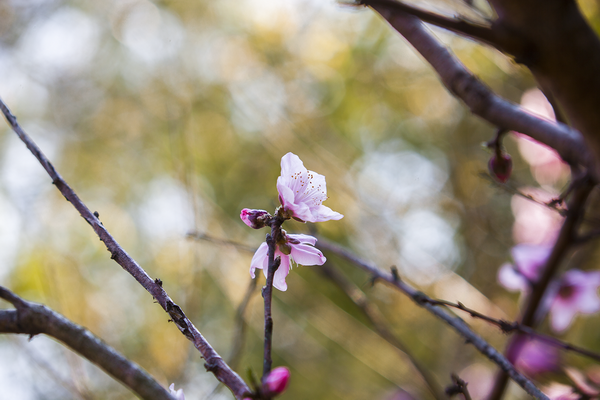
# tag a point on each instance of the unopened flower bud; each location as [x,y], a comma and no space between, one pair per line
[277,381]
[500,166]
[255,219]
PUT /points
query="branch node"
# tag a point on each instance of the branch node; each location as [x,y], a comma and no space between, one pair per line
[395,274]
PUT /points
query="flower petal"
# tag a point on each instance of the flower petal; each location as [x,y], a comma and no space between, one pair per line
[302,238]
[282,272]
[562,313]
[260,259]
[511,279]
[325,213]
[302,192]
[530,259]
[307,255]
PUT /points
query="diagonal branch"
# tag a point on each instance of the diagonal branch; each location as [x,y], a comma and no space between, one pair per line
[214,363]
[33,319]
[455,322]
[480,99]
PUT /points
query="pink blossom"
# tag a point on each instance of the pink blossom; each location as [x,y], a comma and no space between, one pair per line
[577,293]
[297,248]
[546,165]
[255,219]
[535,223]
[178,394]
[529,261]
[277,381]
[532,356]
[302,192]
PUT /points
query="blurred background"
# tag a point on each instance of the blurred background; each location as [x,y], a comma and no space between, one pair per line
[169,117]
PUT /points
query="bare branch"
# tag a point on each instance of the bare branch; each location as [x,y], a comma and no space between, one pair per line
[214,362]
[32,319]
[455,322]
[480,99]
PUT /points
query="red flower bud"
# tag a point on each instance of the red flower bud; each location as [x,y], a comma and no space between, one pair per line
[254,218]
[500,167]
[277,381]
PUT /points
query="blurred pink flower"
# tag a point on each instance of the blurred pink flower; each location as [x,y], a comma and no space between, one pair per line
[297,248]
[302,192]
[532,356]
[546,165]
[557,391]
[178,394]
[535,223]
[277,381]
[577,293]
[529,261]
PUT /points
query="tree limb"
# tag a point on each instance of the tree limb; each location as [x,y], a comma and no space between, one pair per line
[32,319]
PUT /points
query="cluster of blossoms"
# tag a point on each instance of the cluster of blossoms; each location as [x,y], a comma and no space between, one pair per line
[575,292]
[301,194]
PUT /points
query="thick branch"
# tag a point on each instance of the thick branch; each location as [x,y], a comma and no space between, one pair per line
[32,319]
[564,57]
[214,363]
[453,321]
[480,99]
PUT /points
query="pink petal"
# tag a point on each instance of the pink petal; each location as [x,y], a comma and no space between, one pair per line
[511,279]
[307,255]
[562,313]
[530,259]
[260,259]
[287,198]
[290,164]
[282,272]
[304,239]
[325,213]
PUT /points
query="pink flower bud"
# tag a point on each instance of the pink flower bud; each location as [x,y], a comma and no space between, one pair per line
[255,219]
[277,381]
[500,167]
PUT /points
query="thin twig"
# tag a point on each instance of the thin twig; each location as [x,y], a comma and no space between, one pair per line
[509,327]
[371,313]
[240,322]
[267,293]
[203,236]
[455,322]
[458,386]
[33,319]
[553,205]
[214,363]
